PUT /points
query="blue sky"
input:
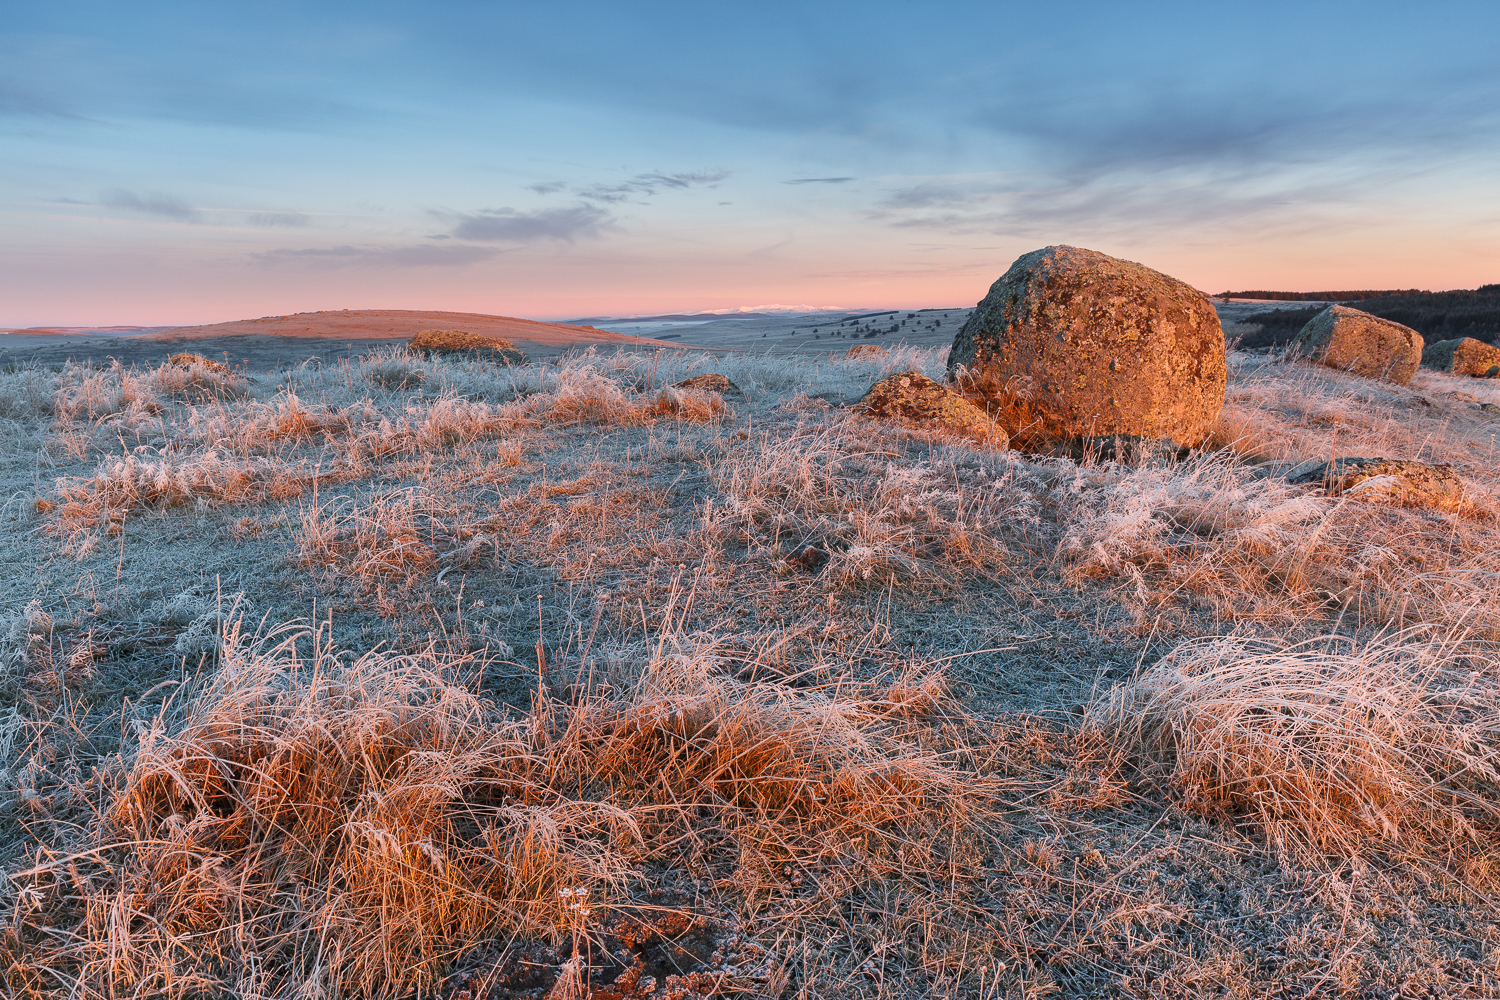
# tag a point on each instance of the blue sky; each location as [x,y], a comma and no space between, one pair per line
[174,162]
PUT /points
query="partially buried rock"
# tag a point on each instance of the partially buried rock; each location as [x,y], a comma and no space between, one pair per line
[198,360]
[1464,356]
[915,399]
[1394,481]
[1361,344]
[459,343]
[1072,345]
[712,382]
[864,351]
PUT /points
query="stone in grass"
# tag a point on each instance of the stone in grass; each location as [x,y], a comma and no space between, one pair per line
[913,398]
[1361,344]
[1464,356]
[198,360]
[1394,481]
[1072,346]
[460,343]
[711,382]
[864,351]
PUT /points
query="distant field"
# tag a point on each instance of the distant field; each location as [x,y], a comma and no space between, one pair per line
[375,676]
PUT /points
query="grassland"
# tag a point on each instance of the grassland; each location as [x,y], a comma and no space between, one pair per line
[398,677]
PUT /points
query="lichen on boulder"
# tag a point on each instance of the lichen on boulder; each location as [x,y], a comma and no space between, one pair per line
[1463,356]
[458,343]
[1362,344]
[917,400]
[1071,345]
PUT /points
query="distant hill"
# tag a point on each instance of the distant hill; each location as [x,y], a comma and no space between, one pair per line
[402,324]
[1435,315]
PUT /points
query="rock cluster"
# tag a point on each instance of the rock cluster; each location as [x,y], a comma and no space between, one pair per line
[1072,345]
[1464,356]
[461,343]
[1362,344]
[917,400]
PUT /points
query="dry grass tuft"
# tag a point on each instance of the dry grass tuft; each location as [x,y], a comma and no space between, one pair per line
[389,536]
[197,379]
[352,825]
[878,520]
[1191,518]
[1327,743]
[341,826]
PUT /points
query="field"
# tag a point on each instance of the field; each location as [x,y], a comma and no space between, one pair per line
[400,678]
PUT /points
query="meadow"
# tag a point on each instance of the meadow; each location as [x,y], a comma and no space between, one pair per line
[398,678]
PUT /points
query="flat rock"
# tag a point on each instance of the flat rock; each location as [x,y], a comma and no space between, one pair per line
[1464,356]
[864,351]
[915,399]
[1072,345]
[189,360]
[711,382]
[1362,344]
[1390,480]
[459,343]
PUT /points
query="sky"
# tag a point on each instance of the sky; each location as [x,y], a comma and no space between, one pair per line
[175,163]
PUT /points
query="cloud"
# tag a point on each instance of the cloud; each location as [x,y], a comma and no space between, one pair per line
[278,220]
[164,205]
[641,185]
[507,225]
[1169,124]
[18,99]
[935,195]
[821,180]
[456,255]
[1059,207]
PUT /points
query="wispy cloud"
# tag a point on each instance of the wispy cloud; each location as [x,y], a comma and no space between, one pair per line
[20,100]
[1065,207]
[278,220]
[638,186]
[164,205]
[457,255]
[507,225]
[936,195]
[820,180]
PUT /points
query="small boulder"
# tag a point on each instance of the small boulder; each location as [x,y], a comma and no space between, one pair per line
[914,398]
[864,351]
[1464,356]
[1072,345]
[1394,481]
[207,364]
[1357,342]
[711,382]
[458,343]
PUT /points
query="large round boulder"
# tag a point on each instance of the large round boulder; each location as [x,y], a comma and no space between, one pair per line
[1072,345]
[1463,356]
[1361,344]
